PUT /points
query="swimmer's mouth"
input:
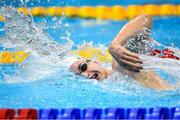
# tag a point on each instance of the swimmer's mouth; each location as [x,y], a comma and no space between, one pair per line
[95,76]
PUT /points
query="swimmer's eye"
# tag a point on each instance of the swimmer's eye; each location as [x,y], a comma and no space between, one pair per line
[83,66]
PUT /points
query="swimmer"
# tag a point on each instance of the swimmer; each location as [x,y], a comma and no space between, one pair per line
[124,60]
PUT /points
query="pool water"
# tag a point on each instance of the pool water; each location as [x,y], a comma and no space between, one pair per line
[62,89]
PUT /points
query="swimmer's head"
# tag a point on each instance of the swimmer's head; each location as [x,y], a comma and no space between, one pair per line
[89,68]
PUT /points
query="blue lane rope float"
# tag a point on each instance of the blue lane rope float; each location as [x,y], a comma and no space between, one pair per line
[157,113]
[116,12]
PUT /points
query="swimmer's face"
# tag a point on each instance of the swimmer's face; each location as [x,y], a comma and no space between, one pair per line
[90,69]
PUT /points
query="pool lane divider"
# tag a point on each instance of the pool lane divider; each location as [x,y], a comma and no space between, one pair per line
[9,57]
[158,113]
[15,57]
[116,12]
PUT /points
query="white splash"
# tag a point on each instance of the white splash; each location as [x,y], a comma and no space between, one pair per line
[21,33]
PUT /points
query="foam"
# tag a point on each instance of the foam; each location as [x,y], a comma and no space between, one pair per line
[68,60]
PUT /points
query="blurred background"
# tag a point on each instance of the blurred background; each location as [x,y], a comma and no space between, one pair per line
[44,3]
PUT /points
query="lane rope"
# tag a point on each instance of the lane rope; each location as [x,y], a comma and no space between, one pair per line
[116,12]
[9,57]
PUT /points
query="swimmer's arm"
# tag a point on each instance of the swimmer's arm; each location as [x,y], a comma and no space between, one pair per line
[124,57]
[132,27]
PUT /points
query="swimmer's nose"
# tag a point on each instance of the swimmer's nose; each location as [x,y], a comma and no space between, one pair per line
[88,75]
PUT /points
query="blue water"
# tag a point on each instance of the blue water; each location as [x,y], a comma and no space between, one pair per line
[166,30]
[62,89]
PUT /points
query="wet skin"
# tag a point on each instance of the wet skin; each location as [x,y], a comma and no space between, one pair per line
[94,70]
[124,61]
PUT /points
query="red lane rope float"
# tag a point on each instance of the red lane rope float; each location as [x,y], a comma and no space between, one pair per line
[27,114]
[166,53]
[7,114]
[20,114]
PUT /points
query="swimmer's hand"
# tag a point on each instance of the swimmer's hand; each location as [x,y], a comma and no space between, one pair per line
[125,58]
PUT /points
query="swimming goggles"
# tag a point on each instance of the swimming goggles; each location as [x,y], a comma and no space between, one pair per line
[83,66]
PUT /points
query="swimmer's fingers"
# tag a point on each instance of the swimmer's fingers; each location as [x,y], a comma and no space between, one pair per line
[128,53]
[122,55]
[131,64]
[129,67]
[131,56]
[132,59]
